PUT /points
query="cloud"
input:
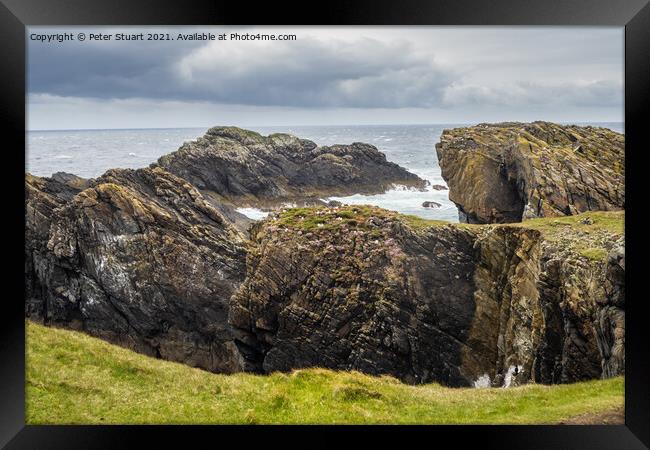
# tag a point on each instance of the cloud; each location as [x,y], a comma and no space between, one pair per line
[311,72]
[593,93]
[381,72]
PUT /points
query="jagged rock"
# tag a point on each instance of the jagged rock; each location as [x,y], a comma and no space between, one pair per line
[71,180]
[439,187]
[360,288]
[431,204]
[611,316]
[138,258]
[145,259]
[509,172]
[249,169]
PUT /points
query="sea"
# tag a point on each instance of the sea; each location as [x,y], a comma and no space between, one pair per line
[89,153]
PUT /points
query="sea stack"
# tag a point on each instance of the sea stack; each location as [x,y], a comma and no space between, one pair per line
[509,172]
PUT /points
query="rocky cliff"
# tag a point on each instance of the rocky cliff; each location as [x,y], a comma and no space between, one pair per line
[249,169]
[508,172]
[360,288]
[136,257]
[146,259]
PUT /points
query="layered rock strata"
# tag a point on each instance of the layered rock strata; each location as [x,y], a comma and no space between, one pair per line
[146,259]
[509,172]
[137,257]
[360,288]
[249,169]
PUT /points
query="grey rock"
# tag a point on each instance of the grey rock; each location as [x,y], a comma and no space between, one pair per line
[247,168]
[138,258]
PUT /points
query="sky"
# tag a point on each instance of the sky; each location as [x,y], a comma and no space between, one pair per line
[326,76]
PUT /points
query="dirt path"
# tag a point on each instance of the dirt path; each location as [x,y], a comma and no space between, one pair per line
[614,416]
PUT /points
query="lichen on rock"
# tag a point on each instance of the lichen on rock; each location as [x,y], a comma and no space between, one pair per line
[509,172]
[361,288]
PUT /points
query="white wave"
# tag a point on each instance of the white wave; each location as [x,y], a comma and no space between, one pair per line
[508,379]
[253,213]
[483,381]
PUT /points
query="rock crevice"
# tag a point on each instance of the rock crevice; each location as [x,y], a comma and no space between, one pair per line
[383,294]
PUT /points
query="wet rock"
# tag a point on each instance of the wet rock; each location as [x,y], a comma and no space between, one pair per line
[431,204]
[249,169]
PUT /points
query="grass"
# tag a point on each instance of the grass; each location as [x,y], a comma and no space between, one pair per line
[309,218]
[594,253]
[609,221]
[76,379]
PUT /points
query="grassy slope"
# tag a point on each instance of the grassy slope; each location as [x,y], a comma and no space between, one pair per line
[74,378]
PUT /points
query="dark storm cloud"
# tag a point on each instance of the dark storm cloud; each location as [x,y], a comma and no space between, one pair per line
[328,75]
[101,69]
[309,72]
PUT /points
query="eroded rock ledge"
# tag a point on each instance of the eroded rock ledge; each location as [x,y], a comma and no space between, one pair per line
[360,288]
[509,172]
[249,169]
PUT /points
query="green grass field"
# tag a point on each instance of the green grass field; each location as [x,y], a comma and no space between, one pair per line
[76,379]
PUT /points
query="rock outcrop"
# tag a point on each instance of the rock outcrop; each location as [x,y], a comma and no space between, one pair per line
[249,169]
[136,257]
[146,260]
[360,288]
[157,261]
[509,172]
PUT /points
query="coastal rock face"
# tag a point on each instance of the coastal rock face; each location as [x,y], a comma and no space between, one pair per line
[509,172]
[136,257]
[362,292]
[145,259]
[249,169]
[360,288]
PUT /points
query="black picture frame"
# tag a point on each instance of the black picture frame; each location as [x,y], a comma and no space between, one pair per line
[15,15]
